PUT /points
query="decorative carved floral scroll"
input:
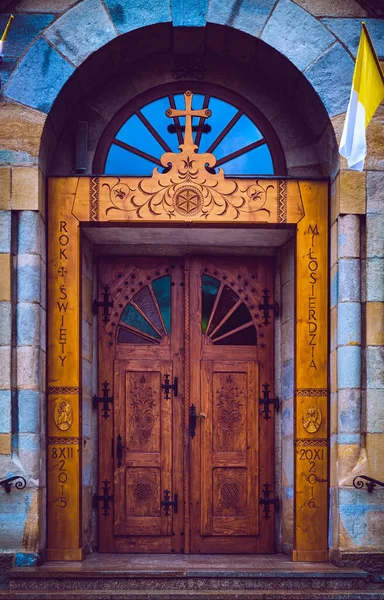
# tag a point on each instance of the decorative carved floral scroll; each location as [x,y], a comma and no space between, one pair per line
[143,403]
[189,190]
[230,400]
[189,185]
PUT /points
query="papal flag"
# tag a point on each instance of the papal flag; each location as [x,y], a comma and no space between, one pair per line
[366,94]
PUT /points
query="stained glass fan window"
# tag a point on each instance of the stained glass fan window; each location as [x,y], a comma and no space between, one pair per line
[226,319]
[230,134]
[147,317]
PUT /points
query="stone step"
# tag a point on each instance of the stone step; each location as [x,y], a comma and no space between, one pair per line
[229,594]
[182,581]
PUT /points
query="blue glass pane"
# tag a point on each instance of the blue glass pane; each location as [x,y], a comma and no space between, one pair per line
[255,162]
[125,336]
[162,289]
[210,287]
[135,133]
[155,113]
[243,133]
[132,317]
[122,162]
[222,113]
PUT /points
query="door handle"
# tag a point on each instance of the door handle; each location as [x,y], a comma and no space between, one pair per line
[119,450]
[193,420]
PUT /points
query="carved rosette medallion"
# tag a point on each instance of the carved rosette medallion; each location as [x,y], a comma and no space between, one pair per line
[63,415]
[188,200]
[230,493]
[311,419]
[143,491]
[230,496]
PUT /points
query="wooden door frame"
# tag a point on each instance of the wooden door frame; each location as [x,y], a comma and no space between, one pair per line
[86,200]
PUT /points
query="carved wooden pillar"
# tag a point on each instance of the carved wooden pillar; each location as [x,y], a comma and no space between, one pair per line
[311,404]
[64,375]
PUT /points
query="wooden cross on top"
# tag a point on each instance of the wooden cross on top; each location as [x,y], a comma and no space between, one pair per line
[188,113]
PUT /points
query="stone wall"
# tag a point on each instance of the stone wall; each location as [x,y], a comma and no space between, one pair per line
[308,47]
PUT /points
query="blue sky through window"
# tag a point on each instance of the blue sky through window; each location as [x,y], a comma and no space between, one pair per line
[147,134]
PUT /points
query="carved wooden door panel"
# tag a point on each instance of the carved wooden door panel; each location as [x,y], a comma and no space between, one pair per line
[232,453]
[140,438]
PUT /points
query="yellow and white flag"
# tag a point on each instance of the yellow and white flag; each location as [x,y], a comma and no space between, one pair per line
[366,95]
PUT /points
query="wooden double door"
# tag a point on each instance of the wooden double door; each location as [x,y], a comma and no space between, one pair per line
[185,405]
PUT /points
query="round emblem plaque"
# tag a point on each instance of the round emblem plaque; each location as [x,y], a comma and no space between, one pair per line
[188,200]
[312,419]
[63,415]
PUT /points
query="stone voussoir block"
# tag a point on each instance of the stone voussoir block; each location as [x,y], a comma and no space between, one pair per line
[126,16]
[248,16]
[348,31]
[192,14]
[296,34]
[39,77]
[25,28]
[331,75]
[81,31]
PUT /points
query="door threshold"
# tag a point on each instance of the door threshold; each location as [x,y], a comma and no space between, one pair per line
[226,565]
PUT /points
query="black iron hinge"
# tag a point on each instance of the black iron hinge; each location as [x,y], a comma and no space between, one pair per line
[265,401]
[166,386]
[105,399]
[266,501]
[106,498]
[105,304]
[167,503]
[266,307]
